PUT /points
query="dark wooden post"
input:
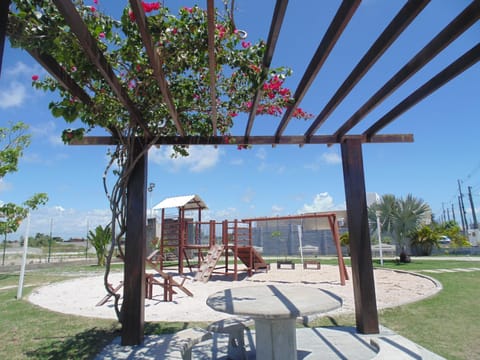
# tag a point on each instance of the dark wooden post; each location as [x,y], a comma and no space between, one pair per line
[135,252]
[360,247]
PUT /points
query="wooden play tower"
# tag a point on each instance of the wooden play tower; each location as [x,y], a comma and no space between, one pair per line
[185,241]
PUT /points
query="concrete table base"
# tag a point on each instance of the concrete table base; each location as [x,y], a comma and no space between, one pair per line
[278,339]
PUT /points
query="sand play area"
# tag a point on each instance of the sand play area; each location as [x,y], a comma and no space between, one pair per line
[80,296]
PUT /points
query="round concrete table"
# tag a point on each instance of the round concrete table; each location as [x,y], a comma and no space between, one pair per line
[274,309]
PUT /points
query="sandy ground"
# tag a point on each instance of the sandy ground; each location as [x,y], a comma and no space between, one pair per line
[80,296]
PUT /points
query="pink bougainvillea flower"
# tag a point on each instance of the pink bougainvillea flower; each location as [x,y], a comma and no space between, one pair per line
[188,9]
[95,2]
[93,8]
[246,44]
[34,77]
[131,15]
[101,35]
[73,68]
[232,114]
[300,113]
[149,7]
[221,30]
[132,84]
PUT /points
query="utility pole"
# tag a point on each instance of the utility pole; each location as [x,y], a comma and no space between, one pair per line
[461,213]
[462,209]
[453,212]
[475,223]
[448,214]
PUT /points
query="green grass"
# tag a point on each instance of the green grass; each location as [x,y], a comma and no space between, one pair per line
[447,324]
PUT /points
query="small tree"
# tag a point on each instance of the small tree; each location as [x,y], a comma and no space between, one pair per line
[345,241]
[424,239]
[13,140]
[100,239]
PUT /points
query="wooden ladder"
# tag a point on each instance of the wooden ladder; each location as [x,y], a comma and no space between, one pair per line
[208,266]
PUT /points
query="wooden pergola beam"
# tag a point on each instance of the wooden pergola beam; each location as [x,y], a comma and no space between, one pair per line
[254,140]
[275,27]
[155,63]
[340,21]
[399,23]
[57,71]
[468,59]
[90,46]
[457,26]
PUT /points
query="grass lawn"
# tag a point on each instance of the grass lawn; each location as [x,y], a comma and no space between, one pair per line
[447,324]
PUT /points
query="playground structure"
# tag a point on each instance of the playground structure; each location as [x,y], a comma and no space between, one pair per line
[208,247]
[186,241]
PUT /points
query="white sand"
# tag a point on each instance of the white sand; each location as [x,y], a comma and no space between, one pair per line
[80,296]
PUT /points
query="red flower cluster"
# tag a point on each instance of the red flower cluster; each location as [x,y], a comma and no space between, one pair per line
[221,30]
[301,114]
[147,7]
[34,77]
[246,44]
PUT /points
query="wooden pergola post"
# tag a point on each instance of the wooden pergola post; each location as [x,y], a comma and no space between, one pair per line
[360,247]
[133,307]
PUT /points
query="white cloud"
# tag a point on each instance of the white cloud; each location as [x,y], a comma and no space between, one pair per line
[248,195]
[277,210]
[47,130]
[321,202]
[19,69]
[200,158]
[328,158]
[13,96]
[4,186]
[261,154]
[236,162]
[331,158]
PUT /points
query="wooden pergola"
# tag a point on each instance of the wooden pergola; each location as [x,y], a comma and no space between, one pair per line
[351,144]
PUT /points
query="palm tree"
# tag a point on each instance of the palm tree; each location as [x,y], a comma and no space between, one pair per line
[408,217]
[398,217]
[388,207]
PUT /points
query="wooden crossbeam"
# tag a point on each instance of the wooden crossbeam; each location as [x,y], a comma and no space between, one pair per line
[458,26]
[254,140]
[275,26]
[90,46]
[468,59]
[155,63]
[399,23]
[338,24]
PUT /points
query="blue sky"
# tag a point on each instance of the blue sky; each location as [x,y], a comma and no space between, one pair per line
[266,181]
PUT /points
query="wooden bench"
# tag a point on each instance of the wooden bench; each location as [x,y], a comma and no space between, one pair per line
[287,263]
[183,341]
[235,328]
[311,264]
